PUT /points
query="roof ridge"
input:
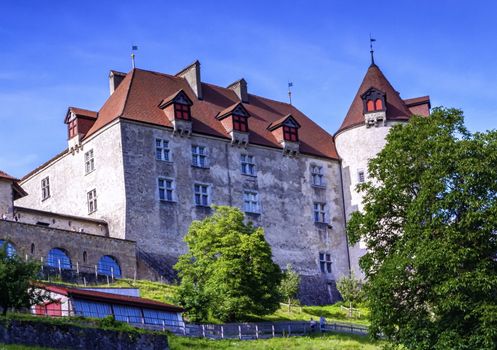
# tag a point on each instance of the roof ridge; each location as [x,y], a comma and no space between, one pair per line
[127,92]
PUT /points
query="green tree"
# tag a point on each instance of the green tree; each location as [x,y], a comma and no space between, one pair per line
[228,271]
[350,288]
[430,223]
[16,289]
[289,285]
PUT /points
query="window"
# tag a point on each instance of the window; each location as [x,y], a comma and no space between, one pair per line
[317,175]
[92,201]
[89,162]
[166,189]
[73,128]
[319,213]
[57,257]
[370,106]
[376,105]
[162,151]
[290,133]
[361,177]
[199,156]
[108,265]
[181,111]
[201,195]
[9,248]
[85,256]
[248,165]
[45,188]
[240,123]
[250,202]
[325,262]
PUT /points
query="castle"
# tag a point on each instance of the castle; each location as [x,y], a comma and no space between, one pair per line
[164,148]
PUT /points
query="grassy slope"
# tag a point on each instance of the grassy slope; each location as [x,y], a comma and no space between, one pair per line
[19,347]
[328,342]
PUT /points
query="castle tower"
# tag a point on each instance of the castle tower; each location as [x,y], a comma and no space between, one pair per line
[376,107]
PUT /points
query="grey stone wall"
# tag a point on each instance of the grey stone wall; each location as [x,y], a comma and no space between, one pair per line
[69,183]
[286,198]
[23,236]
[5,198]
[61,336]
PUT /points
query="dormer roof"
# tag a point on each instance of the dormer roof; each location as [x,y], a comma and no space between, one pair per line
[235,109]
[396,108]
[80,112]
[287,120]
[18,190]
[178,97]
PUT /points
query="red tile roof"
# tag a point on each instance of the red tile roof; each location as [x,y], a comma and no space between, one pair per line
[110,298]
[4,175]
[138,96]
[18,190]
[397,109]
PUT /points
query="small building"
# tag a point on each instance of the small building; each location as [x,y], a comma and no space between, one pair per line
[68,301]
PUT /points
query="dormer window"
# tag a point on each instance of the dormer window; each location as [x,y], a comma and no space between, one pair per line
[374,106]
[177,108]
[235,121]
[285,130]
[240,123]
[182,111]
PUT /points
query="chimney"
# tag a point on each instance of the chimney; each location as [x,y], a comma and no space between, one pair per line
[240,89]
[115,78]
[192,76]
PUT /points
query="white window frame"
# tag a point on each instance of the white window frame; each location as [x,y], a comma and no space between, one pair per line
[320,212]
[251,202]
[248,164]
[199,156]
[325,263]
[91,198]
[361,176]
[201,194]
[317,176]
[45,188]
[89,161]
[162,150]
[167,189]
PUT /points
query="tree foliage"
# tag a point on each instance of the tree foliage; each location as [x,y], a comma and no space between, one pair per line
[350,288]
[430,224]
[289,285]
[228,271]
[16,275]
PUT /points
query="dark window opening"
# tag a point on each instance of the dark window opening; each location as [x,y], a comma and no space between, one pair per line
[181,111]
[290,134]
[84,256]
[32,248]
[240,123]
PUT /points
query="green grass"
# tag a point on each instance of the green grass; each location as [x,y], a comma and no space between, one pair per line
[20,347]
[149,290]
[328,342]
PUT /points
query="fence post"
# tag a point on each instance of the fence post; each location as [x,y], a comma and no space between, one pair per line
[222,332]
[163,326]
[240,332]
[96,274]
[203,331]
[77,267]
[256,331]
[289,330]
[272,329]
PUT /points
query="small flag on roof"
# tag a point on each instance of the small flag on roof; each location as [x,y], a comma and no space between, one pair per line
[134,48]
[290,84]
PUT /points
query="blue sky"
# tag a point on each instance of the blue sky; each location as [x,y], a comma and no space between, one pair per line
[56,54]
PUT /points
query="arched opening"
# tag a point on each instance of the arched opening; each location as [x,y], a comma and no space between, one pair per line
[370,105]
[378,104]
[84,256]
[58,257]
[9,248]
[108,265]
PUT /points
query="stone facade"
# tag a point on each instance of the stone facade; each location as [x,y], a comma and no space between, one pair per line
[356,147]
[84,250]
[6,195]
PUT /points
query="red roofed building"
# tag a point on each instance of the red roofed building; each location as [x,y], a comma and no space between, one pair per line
[163,148]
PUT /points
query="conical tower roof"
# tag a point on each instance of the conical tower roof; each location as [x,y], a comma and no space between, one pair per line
[396,109]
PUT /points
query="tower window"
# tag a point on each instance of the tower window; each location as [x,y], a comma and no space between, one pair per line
[290,133]
[325,262]
[240,123]
[378,104]
[45,188]
[317,175]
[73,128]
[370,105]
[89,162]
[319,212]
[92,201]
[181,111]
[361,177]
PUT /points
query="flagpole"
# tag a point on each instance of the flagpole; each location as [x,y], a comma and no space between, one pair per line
[290,92]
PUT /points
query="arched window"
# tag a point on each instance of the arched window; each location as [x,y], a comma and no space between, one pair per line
[378,104]
[108,265]
[10,249]
[370,106]
[57,257]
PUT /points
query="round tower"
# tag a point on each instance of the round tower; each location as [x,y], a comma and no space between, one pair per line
[376,107]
